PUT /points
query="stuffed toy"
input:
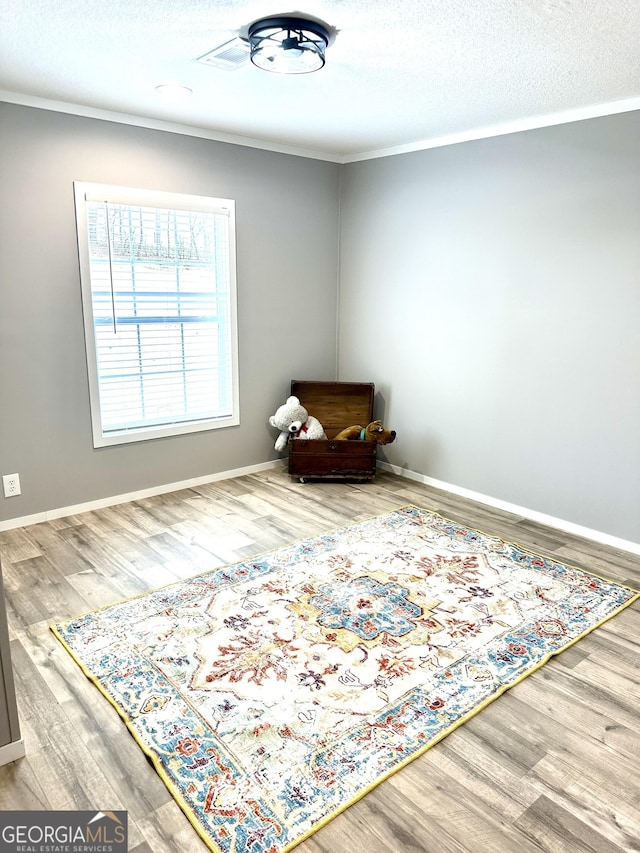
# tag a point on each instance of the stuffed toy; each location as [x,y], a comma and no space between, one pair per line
[293,421]
[373,432]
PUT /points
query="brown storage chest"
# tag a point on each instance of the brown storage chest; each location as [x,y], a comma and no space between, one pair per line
[336,405]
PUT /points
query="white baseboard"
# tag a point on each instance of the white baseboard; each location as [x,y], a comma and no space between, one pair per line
[61,512]
[12,752]
[524,512]
[531,514]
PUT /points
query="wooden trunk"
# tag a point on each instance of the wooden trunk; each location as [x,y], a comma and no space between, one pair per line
[336,405]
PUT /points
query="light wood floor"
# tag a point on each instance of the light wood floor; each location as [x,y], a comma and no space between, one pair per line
[553,764]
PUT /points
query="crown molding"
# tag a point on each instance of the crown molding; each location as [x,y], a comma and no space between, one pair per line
[167,126]
[501,129]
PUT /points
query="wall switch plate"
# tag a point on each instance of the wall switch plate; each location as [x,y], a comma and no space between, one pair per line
[11,485]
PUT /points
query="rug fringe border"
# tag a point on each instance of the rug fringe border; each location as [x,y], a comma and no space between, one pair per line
[188,811]
[176,793]
[258,555]
[486,702]
[465,718]
[542,553]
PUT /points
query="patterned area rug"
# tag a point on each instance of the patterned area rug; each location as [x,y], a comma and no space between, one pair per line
[273,693]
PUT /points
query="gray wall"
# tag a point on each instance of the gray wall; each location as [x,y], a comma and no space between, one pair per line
[492,291]
[287,240]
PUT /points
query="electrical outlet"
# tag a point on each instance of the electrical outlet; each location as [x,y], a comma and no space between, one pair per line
[11,485]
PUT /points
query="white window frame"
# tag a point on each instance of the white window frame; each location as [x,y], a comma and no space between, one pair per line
[84,192]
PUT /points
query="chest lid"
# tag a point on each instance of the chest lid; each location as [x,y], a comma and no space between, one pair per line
[336,404]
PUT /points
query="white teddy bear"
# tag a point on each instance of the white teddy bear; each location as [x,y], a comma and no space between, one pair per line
[293,421]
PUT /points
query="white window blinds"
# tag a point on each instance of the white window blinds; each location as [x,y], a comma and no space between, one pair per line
[158,280]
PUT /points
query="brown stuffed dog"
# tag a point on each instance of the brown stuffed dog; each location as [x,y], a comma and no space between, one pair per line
[374,432]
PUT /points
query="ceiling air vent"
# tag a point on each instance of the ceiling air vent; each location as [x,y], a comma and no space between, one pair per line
[231,55]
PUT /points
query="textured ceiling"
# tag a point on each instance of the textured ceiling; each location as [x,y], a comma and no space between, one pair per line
[398,73]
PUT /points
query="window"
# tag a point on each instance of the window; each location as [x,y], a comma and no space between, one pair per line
[158,293]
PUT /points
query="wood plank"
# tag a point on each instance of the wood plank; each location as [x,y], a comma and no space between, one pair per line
[550,765]
[167,830]
[555,828]
[584,796]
